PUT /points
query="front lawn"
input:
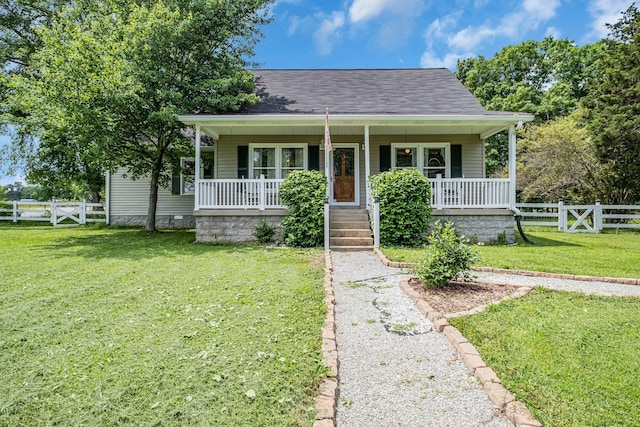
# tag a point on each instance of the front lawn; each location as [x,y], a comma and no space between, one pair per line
[572,359]
[609,254]
[115,326]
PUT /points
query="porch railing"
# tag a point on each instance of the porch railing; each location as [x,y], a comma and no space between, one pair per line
[262,193]
[460,193]
[259,193]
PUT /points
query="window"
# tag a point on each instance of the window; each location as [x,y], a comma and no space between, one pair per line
[188,175]
[188,170]
[434,162]
[430,158]
[405,157]
[276,161]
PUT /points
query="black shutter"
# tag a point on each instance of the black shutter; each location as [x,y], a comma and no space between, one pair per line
[385,158]
[456,161]
[243,161]
[175,181]
[313,154]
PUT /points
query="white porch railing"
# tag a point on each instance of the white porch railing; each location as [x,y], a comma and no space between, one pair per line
[259,193]
[460,193]
[447,193]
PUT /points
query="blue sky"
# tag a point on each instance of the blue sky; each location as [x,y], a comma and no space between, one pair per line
[421,33]
[417,33]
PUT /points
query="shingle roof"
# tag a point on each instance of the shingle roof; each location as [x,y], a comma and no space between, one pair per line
[363,91]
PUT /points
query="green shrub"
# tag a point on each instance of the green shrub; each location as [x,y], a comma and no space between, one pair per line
[449,255]
[264,232]
[303,192]
[405,206]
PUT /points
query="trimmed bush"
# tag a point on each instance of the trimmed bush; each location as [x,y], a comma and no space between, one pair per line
[448,256]
[405,206]
[303,192]
[264,232]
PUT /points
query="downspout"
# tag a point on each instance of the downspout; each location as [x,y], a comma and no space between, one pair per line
[512,180]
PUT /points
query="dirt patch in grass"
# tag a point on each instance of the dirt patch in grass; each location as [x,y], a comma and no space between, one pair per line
[463,297]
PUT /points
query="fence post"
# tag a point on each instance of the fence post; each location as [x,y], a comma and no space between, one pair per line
[15,211]
[326,224]
[561,215]
[54,215]
[376,223]
[83,212]
[597,217]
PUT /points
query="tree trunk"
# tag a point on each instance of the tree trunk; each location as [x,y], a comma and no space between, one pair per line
[153,188]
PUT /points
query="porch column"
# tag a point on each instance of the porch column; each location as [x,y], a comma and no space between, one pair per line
[196,195]
[512,167]
[367,163]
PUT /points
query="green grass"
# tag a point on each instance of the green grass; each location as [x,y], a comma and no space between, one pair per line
[572,359]
[115,326]
[610,254]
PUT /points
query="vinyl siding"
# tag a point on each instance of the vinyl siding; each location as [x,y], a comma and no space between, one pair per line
[129,197]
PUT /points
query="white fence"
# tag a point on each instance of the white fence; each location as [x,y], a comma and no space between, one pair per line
[460,193]
[259,193]
[580,218]
[53,212]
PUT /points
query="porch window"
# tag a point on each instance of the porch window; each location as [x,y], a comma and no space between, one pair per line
[430,158]
[405,157]
[434,162]
[276,161]
[187,175]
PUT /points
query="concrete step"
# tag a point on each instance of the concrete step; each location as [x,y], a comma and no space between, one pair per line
[351,248]
[350,241]
[350,232]
[350,225]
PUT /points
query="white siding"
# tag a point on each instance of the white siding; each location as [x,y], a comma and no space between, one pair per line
[129,197]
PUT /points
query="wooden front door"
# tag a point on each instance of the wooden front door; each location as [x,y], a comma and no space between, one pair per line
[344,175]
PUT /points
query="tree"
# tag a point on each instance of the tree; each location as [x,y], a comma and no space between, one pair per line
[556,160]
[546,79]
[108,81]
[613,110]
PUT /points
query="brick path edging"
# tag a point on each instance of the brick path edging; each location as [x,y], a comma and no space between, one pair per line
[621,281]
[505,401]
[328,390]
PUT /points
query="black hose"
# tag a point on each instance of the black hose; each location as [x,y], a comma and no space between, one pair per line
[524,236]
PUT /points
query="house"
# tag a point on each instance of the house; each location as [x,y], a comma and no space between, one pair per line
[379,119]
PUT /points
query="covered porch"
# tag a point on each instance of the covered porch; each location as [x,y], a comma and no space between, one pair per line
[362,146]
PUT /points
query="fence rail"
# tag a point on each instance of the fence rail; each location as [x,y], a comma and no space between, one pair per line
[53,212]
[580,218]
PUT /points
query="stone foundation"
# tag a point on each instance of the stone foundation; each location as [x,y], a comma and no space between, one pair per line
[480,225]
[230,226]
[162,221]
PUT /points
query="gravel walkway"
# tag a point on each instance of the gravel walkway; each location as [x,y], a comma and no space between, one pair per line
[599,288]
[395,369]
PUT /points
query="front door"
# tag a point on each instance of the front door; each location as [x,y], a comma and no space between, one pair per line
[345,168]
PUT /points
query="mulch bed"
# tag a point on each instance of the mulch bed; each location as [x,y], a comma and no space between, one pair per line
[457,297]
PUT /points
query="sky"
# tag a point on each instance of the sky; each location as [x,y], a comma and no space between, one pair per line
[421,33]
[416,33]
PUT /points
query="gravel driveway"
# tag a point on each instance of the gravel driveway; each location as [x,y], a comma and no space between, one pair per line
[395,370]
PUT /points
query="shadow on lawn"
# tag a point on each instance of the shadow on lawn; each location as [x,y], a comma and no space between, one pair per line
[542,241]
[134,244]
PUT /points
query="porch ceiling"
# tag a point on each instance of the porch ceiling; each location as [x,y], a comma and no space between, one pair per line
[483,125]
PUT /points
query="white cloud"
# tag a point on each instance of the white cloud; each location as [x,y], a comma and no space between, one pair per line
[328,34]
[462,43]
[450,61]
[606,12]
[365,10]
[553,32]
